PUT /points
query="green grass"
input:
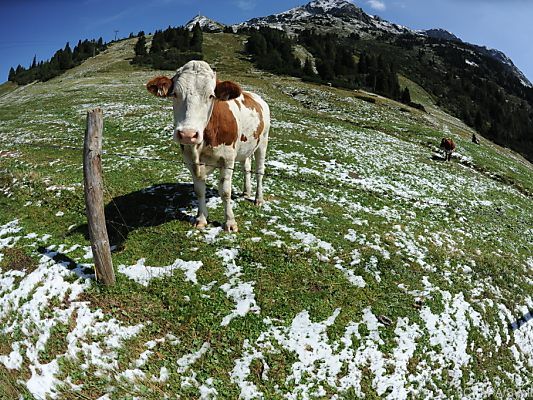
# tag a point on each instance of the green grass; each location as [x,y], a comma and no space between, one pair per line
[352,181]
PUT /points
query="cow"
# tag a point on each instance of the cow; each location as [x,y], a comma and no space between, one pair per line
[448,146]
[216,124]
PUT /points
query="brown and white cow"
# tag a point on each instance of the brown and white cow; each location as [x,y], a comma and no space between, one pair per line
[216,124]
[448,146]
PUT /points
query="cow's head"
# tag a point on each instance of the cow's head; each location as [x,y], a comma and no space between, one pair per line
[194,90]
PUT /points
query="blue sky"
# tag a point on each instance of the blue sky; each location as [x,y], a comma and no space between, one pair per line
[40,27]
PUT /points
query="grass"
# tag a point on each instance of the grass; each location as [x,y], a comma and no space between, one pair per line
[353,190]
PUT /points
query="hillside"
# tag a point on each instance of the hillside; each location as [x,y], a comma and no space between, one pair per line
[374,268]
[481,86]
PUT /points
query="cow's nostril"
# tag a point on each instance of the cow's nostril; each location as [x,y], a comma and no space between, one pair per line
[195,135]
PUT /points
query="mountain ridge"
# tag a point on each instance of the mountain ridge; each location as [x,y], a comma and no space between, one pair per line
[361,23]
[324,10]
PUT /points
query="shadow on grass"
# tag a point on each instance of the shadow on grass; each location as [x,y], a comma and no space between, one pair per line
[151,206]
[438,157]
[81,270]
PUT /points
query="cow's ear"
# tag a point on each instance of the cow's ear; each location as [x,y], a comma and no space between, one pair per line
[160,86]
[227,90]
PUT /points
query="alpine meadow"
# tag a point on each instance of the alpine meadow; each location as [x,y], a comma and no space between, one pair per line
[374,269]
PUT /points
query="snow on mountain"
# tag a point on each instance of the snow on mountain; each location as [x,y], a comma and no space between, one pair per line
[501,57]
[206,24]
[338,16]
[328,5]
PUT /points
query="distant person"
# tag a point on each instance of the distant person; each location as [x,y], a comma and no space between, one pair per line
[475,139]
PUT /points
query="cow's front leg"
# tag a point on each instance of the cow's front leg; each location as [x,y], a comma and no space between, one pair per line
[199,188]
[224,189]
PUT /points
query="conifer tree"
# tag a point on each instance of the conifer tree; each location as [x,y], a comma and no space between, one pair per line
[140,46]
[65,58]
[197,38]
[308,68]
[406,96]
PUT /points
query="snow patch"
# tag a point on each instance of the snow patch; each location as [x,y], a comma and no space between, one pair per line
[143,274]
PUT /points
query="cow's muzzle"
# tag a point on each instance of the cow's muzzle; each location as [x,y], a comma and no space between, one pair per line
[188,136]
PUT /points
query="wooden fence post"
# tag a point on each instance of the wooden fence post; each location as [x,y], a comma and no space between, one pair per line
[94,197]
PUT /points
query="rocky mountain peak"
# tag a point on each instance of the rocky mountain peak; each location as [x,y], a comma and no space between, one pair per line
[440,33]
[333,7]
[205,23]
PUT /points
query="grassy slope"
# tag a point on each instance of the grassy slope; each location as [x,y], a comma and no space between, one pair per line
[354,190]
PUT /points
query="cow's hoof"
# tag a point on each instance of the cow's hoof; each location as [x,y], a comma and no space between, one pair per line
[231,226]
[259,202]
[199,224]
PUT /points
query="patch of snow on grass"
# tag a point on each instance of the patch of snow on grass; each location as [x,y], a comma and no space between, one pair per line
[242,293]
[448,334]
[185,362]
[143,274]
[7,229]
[44,299]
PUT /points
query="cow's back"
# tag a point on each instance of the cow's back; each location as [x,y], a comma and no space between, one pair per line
[252,114]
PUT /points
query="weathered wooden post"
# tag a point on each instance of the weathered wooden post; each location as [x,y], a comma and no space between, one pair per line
[94,197]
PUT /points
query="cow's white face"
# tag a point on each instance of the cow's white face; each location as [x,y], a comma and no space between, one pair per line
[193,97]
[194,90]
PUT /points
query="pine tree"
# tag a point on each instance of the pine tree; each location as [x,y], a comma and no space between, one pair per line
[34,62]
[11,76]
[158,42]
[362,66]
[140,46]
[77,56]
[197,38]
[406,96]
[308,68]
[65,58]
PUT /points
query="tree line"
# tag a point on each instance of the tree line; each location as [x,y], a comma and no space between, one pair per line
[62,60]
[334,61]
[170,48]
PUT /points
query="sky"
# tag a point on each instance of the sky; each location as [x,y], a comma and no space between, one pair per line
[40,27]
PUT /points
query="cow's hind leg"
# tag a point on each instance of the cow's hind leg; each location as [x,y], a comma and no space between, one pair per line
[224,190]
[260,154]
[247,171]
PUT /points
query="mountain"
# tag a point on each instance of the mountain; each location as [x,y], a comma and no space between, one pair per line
[207,24]
[502,58]
[344,17]
[441,34]
[481,86]
[337,16]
